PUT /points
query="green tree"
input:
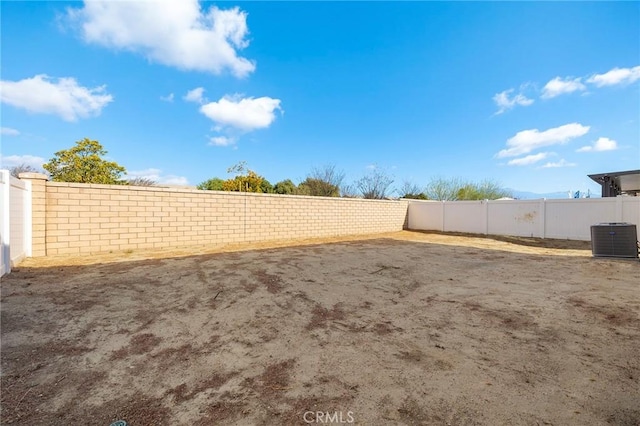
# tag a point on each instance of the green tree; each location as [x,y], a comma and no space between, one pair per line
[251,182]
[456,189]
[485,190]
[322,182]
[468,192]
[285,187]
[83,163]
[213,184]
[318,187]
[415,196]
[442,189]
[246,180]
[266,187]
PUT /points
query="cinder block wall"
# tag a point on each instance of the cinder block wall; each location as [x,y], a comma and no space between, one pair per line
[88,218]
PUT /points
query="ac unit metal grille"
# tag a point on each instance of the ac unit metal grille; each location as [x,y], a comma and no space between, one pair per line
[614,240]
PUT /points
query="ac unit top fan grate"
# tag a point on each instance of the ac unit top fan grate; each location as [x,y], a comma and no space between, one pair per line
[614,239]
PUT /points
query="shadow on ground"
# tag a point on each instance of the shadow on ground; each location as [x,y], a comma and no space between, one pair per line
[551,243]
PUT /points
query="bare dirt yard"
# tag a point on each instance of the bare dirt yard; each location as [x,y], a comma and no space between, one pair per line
[404,328]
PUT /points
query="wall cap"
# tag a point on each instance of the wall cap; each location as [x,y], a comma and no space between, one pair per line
[33,176]
[192,191]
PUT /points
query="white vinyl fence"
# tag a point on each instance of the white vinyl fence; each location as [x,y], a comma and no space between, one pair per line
[565,219]
[15,221]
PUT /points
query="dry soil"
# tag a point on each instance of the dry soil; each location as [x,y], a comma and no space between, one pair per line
[404,328]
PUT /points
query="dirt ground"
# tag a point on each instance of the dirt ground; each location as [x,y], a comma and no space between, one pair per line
[404,328]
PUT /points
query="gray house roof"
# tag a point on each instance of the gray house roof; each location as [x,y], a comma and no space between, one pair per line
[617,183]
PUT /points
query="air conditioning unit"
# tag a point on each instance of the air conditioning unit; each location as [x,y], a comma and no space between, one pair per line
[614,239]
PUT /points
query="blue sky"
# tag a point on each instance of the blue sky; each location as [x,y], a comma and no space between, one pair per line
[532,95]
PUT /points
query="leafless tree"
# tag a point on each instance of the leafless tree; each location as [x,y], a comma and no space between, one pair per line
[411,190]
[329,174]
[349,191]
[141,181]
[375,185]
[23,168]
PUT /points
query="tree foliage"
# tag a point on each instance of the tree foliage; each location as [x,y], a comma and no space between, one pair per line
[246,180]
[266,187]
[453,189]
[213,184]
[375,185]
[251,182]
[442,189]
[23,168]
[322,182]
[415,196]
[485,190]
[285,187]
[318,188]
[83,163]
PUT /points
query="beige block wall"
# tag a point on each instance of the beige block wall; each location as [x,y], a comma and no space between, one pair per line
[87,218]
[38,212]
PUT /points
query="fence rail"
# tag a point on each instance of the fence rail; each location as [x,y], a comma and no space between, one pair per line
[564,219]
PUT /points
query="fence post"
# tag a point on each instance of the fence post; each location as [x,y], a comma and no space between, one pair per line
[486,217]
[543,217]
[38,212]
[443,215]
[5,223]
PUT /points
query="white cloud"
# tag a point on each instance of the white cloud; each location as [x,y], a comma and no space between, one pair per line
[528,140]
[616,76]
[195,95]
[10,161]
[529,159]
[168,98]
[222,141]
[561,163]
[504,102]
[175,33]
[64,97]
[602,144]
[243,114]
[8,131]
[558,86]
[156,175]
